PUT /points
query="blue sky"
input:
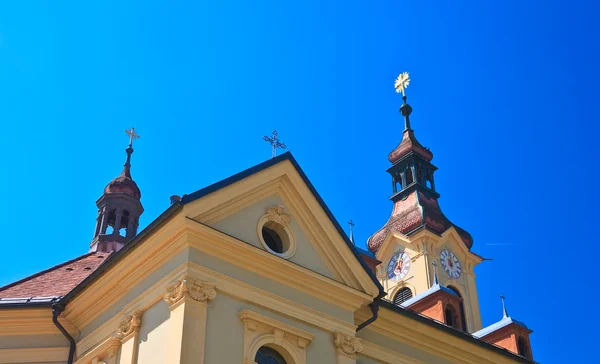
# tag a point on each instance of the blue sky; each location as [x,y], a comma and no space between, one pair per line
[504,93]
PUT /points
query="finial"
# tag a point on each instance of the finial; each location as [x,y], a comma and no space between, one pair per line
[435,278]
[401,84]
[132,135]
[351,223]
[504,311]
[275,143]
[127,166]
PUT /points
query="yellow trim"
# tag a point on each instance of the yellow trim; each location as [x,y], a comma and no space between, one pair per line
[33,355]
[226,285]
[109,348]
[385,355]
[260,330]
[431,339]
[282,179]
[27,321]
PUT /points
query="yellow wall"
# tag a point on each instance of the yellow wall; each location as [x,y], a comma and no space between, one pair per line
[243,223]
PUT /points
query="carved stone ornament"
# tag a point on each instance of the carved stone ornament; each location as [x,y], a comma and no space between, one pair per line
[130,324]
[347,344]
[197,290]
[278,215]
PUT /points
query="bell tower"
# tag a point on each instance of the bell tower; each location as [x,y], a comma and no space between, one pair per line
[411,168]
[119,208]
[418,235]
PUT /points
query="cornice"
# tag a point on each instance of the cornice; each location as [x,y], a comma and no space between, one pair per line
[29,321]
[433,340]
[251,258]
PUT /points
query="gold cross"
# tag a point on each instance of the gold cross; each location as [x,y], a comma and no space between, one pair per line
[402,82]
[132,135]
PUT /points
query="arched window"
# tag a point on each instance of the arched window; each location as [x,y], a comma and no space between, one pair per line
[523,347]
[404,294]
[461,308]
[449,316]
[267,355]
[409,176]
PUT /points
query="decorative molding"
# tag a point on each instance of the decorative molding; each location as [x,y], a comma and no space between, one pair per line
[260,330]
[278,215]
[106,352]
[131,324]
[197,290]
[33,355]
[385,355]
[347,344]
[31,321]
[431,339]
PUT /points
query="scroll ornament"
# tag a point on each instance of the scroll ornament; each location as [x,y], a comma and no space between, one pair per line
[131,324]
[197,290]
[278,215]
[347,344]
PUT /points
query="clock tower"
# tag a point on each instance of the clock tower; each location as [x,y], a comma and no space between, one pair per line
[418,235]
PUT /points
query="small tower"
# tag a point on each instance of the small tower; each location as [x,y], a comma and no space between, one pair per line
[508,333]
[119,208]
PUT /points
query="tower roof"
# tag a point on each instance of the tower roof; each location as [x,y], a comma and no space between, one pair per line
[409,142]
[413,213]
[124,183]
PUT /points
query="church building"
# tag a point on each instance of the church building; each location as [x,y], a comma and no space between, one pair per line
[255,269]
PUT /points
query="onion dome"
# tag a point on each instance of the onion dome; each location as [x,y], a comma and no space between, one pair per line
[124,183]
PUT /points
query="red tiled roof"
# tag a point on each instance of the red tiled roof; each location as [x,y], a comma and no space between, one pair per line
[55,281]
[409,144]
[416,211]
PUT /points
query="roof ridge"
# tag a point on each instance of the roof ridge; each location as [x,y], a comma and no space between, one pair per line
[35,275]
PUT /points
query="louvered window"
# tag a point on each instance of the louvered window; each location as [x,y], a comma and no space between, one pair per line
[403,295]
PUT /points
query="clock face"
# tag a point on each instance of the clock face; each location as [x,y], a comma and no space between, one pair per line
[398,266]
[450,263]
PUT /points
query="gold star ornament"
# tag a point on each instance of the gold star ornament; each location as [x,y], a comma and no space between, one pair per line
[402,82]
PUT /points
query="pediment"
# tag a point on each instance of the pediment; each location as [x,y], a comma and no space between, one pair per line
[236,208]
[452,239]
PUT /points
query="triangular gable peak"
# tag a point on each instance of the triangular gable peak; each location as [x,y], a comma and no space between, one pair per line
[279,186]
[388,246]
[452,237]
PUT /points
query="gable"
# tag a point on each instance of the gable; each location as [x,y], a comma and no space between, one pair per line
[225,204]
[243,225]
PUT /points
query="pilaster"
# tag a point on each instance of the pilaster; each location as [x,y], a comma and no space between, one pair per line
[128,332]
[188,301]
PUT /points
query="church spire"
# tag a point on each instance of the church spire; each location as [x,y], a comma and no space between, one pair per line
[413,187]
[119,208]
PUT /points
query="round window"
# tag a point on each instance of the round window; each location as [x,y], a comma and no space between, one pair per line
[276,238]
[272,239]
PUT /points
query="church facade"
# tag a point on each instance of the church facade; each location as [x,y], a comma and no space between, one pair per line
[255,269]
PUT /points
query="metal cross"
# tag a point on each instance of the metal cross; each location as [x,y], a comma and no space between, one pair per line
[132,135]
[351,223]
[275,143]
[402,83]
[504,311]
[435,278]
